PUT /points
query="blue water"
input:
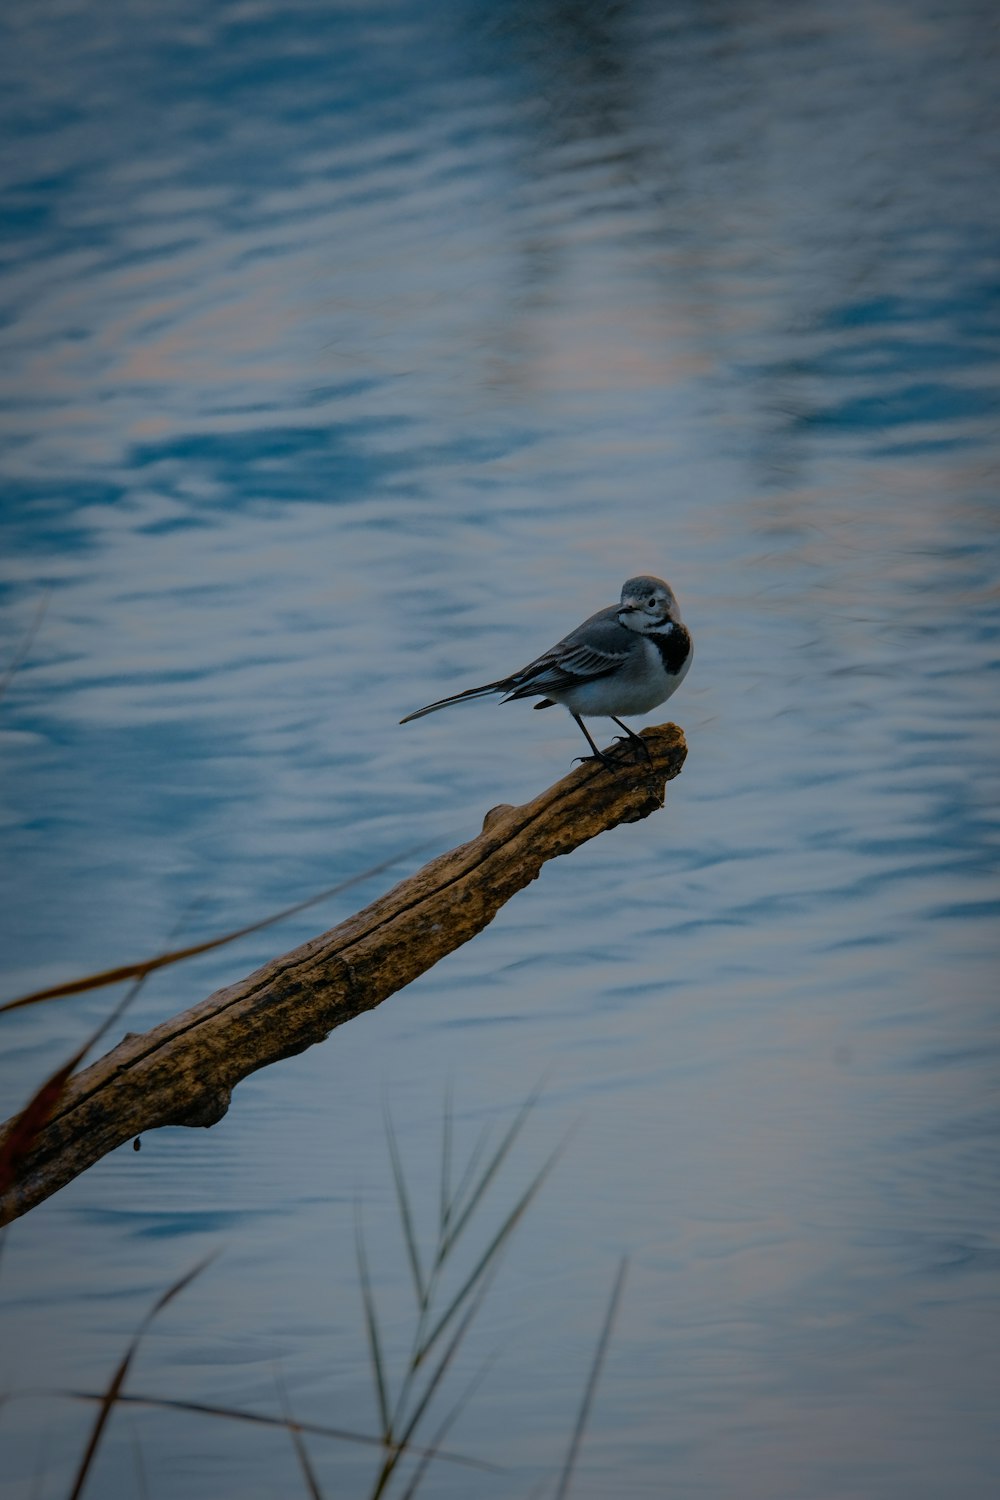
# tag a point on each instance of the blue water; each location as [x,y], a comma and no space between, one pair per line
[349,355]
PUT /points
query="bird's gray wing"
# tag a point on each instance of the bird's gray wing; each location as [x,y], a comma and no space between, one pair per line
[594,649]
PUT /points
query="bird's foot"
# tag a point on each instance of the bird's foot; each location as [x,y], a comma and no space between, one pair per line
[583,760]
[633,740]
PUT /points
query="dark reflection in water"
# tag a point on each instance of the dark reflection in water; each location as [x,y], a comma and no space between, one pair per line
[349,355]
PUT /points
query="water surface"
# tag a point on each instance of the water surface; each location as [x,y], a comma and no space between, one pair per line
[350,355]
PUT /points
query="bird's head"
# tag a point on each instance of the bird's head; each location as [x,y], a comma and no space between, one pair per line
[647,604]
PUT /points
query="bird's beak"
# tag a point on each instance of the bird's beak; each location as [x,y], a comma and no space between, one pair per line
[628,606]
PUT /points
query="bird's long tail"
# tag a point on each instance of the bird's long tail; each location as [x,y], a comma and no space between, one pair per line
[478,692]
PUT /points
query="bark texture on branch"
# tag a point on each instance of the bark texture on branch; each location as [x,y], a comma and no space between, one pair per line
[184,1070]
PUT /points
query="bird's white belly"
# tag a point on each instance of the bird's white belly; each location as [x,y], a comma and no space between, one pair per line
[636,691]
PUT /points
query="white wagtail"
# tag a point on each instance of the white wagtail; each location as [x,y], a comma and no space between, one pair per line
[624,660]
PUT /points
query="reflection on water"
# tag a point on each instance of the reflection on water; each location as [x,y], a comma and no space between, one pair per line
[350,355]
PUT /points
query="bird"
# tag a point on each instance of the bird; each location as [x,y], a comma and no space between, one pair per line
[625,659]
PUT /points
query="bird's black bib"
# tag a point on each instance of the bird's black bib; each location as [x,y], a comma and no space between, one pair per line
[674,646]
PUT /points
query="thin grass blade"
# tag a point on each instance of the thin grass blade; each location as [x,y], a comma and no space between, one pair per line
[445,1427]
[402,1444]
[175,1290]
[595,1370]
[446,1143]
[26,1126]
[405,1212]
[374,1342]
[161,960]
[492,1168]
[444,1362]
[23,650]
[233,1414]
[111,1394]
[308,1472]
[468,1173]
[492,1250]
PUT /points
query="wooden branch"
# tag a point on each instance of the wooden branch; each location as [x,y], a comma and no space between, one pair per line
[184,1070]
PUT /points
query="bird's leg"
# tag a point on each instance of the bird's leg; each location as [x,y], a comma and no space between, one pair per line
[597,753]
[633,736]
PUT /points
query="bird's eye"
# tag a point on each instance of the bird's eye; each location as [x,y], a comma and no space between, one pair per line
[651,601]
